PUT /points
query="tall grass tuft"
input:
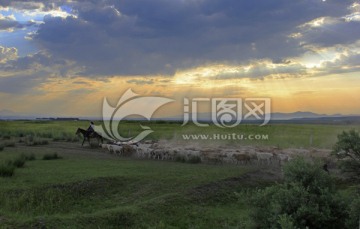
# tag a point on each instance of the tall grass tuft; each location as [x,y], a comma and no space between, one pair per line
[6,170]
[28,157]
[18,162]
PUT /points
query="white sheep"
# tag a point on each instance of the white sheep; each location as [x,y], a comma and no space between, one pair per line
[264,158]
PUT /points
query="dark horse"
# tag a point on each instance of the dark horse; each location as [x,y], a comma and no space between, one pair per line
[87,136]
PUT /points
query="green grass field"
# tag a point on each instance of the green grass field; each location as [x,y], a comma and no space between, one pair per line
[97,190]
[280,135]
[89,188]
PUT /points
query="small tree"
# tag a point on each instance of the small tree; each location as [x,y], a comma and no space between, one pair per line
[348,148]
[307,198]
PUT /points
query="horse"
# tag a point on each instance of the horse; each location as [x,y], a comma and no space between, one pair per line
[87,136]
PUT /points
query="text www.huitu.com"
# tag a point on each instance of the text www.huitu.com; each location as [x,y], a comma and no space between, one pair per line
[230,136]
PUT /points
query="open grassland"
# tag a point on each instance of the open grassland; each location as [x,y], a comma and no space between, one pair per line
[88,188]
[280,135]
[56,183]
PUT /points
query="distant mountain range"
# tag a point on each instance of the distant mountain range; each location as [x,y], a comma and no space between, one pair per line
[274,116]
[297,116]
[301,114]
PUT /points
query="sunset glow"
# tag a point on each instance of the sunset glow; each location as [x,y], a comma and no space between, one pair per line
[64,59]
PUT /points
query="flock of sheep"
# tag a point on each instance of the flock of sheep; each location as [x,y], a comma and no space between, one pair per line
[241,155]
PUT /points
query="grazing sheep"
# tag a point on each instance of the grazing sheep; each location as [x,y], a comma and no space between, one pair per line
[214,159]
[157,154]
[283,158]
[128,150]
[172,154]
[143,151]
[264,158]
[242,158]
[117,149]
[104,146]
[110,148]
[205,153]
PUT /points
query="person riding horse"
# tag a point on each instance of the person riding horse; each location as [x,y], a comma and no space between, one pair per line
[89,133]
[90,129]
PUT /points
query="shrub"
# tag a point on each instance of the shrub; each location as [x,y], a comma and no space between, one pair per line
[354,213]
[2,146]
[286,222]
[307,198]
[51,156]
[7,170]
[18,162]
[348,147]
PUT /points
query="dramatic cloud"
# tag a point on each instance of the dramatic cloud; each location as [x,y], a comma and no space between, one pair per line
[159,37]
[141,81]
[8,23]
[7,54]
[23,74]
[40,62]
[232,39]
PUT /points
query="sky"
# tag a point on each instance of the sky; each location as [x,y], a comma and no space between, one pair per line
[63,57]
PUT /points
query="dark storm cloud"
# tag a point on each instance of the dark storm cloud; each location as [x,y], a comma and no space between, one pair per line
[140,37]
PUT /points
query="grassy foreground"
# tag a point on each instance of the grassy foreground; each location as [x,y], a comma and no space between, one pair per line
[97,190]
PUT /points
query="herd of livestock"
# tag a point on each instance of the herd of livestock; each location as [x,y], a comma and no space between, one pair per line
[241,155]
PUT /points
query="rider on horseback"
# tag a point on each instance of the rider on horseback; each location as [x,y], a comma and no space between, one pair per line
[90,130]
